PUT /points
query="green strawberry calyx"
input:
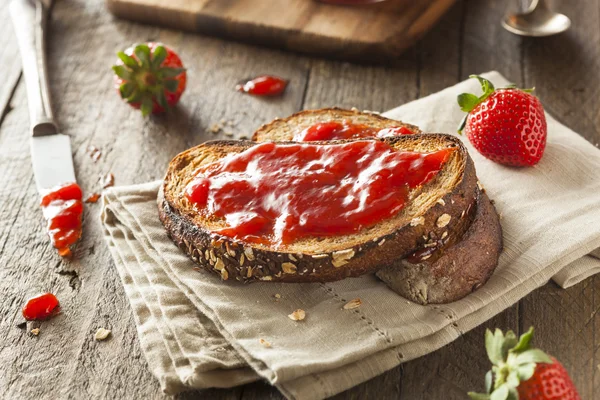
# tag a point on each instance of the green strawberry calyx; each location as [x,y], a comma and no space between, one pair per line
[144,77]
[513,361]
[468,101]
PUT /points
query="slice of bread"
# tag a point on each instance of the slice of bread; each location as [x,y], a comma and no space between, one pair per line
[456,270]
[436,208]
[464,262]
[284,129]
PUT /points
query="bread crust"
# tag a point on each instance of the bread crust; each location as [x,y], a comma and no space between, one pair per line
[234,260]
[284,129]
[458,269]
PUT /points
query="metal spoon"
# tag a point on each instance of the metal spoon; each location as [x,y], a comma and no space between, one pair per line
[537,20]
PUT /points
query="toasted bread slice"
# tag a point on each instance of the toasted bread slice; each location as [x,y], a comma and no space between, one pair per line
[456,270]
[285,129]
[436,208]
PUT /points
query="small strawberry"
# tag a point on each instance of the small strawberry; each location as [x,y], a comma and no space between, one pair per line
[506,125]
[150,77]
[522,373]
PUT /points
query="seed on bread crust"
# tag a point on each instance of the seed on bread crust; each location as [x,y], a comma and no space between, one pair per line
[224,274]
[249,253]
[291,257]
[443,220]
[417,221]
[266,278]
[242,259]
[288,268]
[230,251]
[342,257]
[219,265]
[317,256]
[442,202]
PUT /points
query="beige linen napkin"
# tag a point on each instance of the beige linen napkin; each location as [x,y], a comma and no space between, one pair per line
[197,331]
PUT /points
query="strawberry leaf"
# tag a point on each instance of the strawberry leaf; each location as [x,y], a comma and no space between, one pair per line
[487,86]
[122,72]
[170,72]
[462,124]
[146,106]
[171,85]
[526,371]
[467,101]
[126,90]
[142,52]
[161,99]
[510,341]
[501,393]
[479,396]
[513,379]
[533,356]
[493,345]
[127,60]
[524,342]
[158,56]
[489,377]
[135,97]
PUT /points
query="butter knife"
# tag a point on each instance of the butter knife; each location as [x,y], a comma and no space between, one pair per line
[50,150]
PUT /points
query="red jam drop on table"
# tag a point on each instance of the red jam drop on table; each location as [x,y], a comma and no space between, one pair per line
[278,193]
[265,85]
[41,307]
[346,130]
[62,209]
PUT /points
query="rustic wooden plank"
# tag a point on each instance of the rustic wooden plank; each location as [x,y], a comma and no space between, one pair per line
[338,84]
[9,60]
[559,67]
[65,361]
[380,31]
[486,45]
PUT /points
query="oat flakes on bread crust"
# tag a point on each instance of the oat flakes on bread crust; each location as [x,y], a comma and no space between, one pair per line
[284,129]
[319,259]
[457,269]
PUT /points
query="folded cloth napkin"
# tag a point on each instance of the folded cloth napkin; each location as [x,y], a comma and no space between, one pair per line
[198,332]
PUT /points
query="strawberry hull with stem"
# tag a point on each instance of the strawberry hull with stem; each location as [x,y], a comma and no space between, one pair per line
[150,77]
[520,372]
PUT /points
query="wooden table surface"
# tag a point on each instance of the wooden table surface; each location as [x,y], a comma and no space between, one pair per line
[65,361]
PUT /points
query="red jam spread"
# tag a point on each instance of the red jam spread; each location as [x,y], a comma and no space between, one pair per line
[41,307]
[278,193]
[346,130]
[265,85]
[62,208]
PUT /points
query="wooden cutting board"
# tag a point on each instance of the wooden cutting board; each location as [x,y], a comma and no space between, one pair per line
[376,32]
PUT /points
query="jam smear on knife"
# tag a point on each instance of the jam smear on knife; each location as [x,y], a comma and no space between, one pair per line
[62,208]
[278,193]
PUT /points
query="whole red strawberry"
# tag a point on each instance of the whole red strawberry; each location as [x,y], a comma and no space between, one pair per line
[522,373]
[506,125]
[150,77]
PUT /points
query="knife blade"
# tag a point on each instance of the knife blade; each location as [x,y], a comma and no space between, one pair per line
[50,150]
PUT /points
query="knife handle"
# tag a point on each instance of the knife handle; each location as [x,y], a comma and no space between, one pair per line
[30,20]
